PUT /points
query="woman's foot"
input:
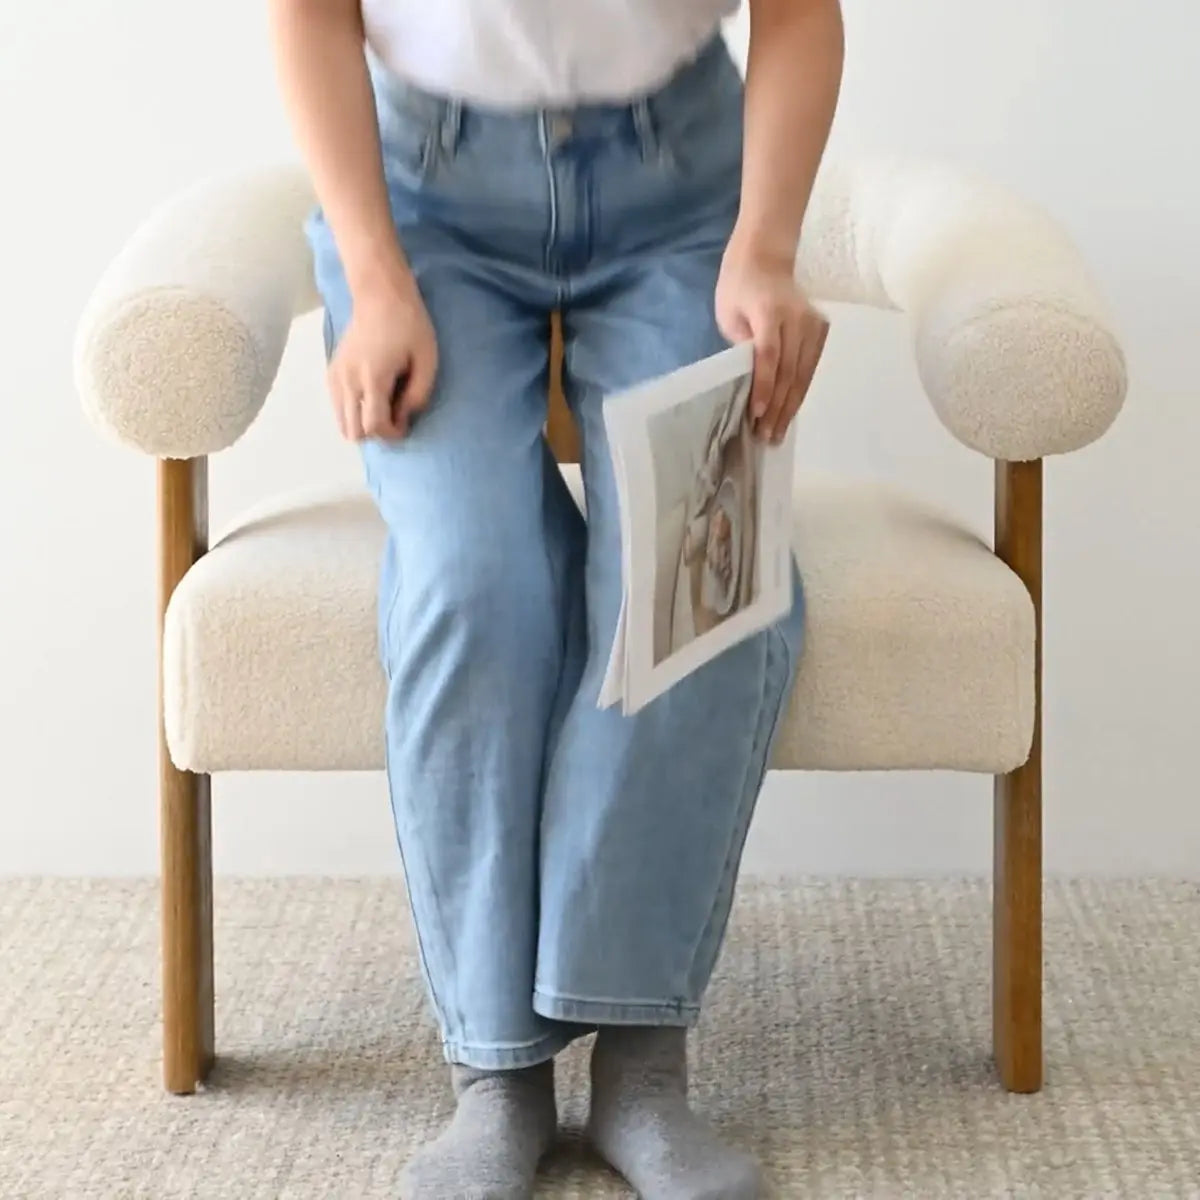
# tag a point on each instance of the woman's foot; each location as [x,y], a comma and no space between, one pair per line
[642,1126]
[504,1123]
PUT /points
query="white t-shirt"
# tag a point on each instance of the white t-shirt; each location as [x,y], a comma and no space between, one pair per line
[551,53]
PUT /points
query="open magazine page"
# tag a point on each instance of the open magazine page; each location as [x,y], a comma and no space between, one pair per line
[706,524]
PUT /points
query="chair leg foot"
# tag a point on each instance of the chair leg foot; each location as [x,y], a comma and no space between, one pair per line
[187,947]
[1017,931]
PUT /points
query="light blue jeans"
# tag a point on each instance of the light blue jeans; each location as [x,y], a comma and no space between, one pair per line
[568,867]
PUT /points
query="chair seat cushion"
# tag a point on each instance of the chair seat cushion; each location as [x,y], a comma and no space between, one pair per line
[919,649]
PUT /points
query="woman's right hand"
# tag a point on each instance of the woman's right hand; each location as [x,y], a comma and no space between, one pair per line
[383,369]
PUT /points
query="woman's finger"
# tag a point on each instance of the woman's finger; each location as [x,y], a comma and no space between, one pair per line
[810,358]
[417,386]
[352,416]
[766,367]
[791,347]
[376,409]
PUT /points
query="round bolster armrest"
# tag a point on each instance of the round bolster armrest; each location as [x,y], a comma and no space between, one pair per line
[1014,343]
[180,342]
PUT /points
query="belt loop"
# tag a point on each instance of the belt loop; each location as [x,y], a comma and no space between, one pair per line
[643,124]
[451,126]
[651,145]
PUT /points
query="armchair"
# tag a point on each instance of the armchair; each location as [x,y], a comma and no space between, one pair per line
[923,645]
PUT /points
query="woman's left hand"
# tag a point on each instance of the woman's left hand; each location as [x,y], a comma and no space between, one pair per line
[758,300]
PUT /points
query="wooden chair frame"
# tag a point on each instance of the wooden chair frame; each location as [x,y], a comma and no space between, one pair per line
[186,824]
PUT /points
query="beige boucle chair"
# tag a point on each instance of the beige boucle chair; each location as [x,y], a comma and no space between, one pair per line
[923,644]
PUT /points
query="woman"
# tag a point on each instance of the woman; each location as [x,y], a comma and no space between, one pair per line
[480,164]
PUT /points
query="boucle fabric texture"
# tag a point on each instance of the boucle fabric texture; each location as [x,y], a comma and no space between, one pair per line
[180,342]
[844,1044]
[919,650]
[179,346]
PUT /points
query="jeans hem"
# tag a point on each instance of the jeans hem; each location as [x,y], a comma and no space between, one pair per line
[610,1012]
[509,1057]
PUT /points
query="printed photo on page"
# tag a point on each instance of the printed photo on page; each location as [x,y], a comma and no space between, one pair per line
[706,524]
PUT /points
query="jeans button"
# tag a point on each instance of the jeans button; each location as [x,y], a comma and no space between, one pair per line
[561,128]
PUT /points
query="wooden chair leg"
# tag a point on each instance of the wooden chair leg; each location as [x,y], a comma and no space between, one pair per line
[1017,882]
[184,814]
[187,950]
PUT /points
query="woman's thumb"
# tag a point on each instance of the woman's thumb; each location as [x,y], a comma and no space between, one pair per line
[418,384]
[734,327]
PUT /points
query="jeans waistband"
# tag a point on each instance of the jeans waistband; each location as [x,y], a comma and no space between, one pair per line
[642,117]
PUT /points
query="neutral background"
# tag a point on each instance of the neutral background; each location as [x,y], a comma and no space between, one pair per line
[1088,106]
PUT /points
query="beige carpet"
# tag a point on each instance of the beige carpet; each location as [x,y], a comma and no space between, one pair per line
[846,1042]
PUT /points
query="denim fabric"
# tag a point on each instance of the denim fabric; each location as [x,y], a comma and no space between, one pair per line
[567,866]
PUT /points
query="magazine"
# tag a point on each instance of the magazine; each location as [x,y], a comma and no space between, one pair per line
[706,524]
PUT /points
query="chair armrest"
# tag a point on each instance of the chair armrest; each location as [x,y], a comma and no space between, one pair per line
[181,340]
[1014,345]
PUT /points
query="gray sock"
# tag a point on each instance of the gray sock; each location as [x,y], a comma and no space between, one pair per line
[504,1123]
[641,1123]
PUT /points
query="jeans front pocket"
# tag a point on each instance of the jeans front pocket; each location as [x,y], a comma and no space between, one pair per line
[411,125]
[408,144]
[698,119]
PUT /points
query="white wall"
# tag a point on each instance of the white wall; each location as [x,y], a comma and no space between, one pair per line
[1089,106]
